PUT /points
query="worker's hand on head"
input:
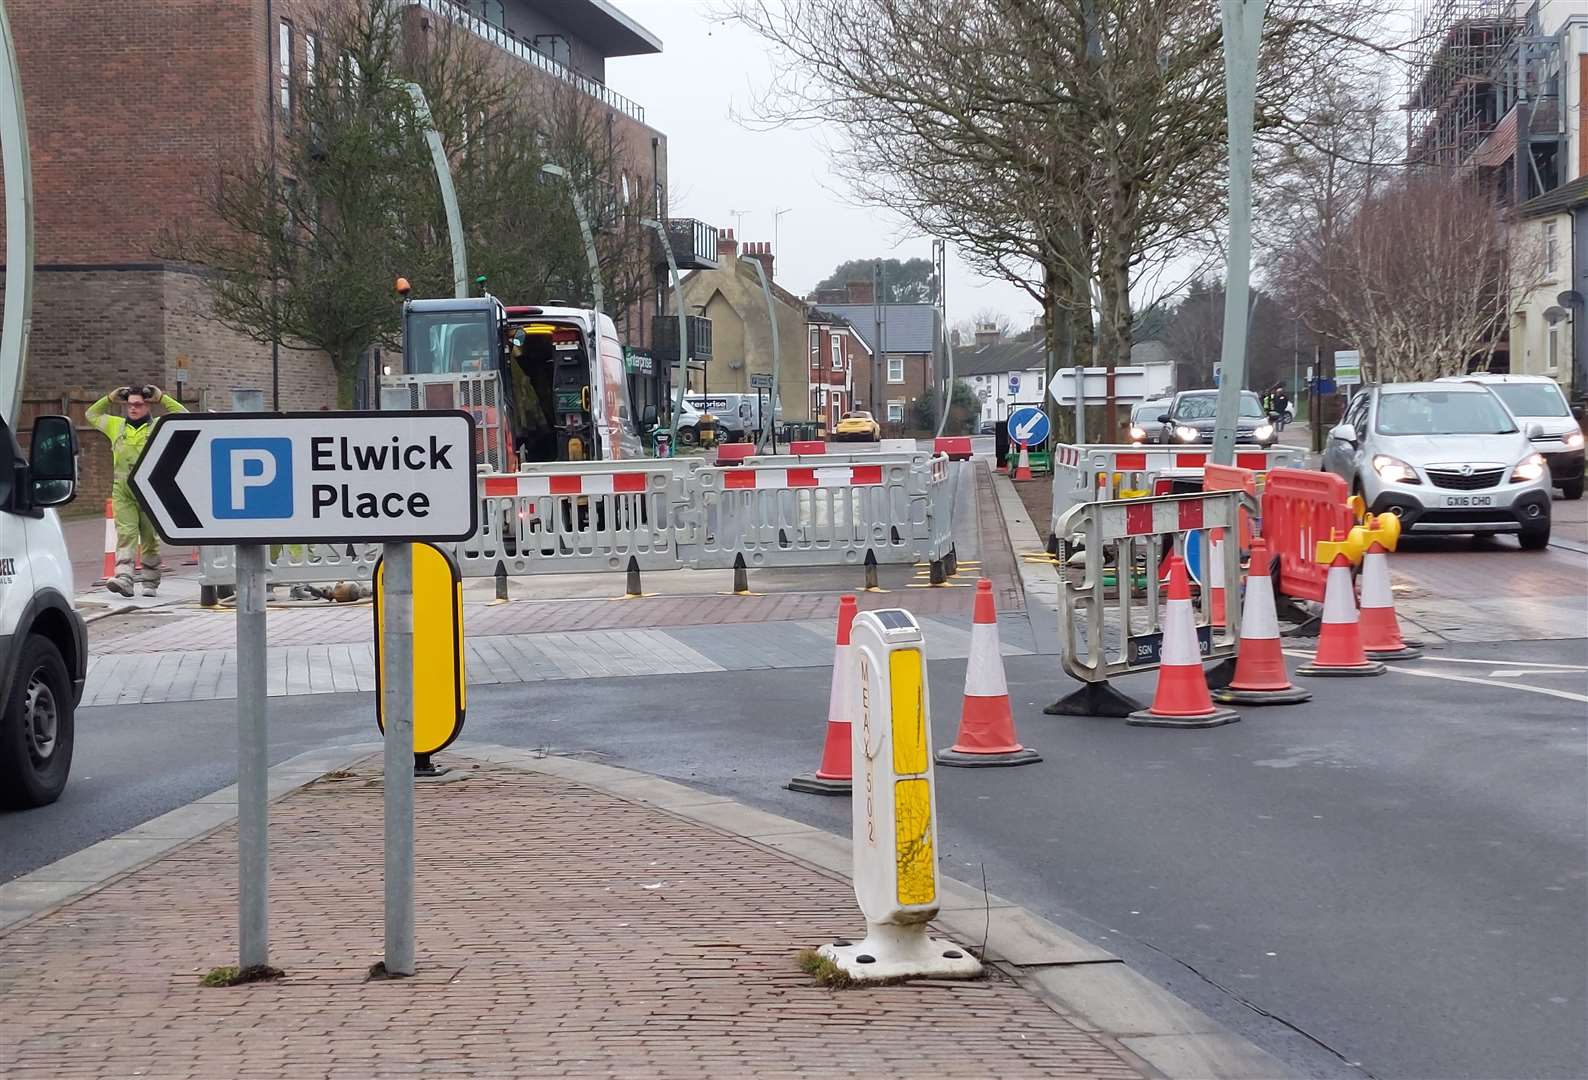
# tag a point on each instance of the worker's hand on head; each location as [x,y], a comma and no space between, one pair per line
[153,393]
[120,393]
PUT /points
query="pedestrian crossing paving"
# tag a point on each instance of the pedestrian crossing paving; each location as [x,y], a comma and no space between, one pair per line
[134,678]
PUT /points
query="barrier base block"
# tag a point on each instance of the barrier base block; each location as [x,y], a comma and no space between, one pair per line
[961,760]
[896,952]
[1410,652]
[1228,695]
[816,785]
[1220,674]
[1216,718]
[1095,699]
[1372,667]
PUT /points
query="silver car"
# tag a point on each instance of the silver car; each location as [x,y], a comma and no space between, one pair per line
[1444,458]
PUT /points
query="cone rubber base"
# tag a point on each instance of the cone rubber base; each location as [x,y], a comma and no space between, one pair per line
[1372,667]
[1148,718]
[959,759]
[1094,699]
[1230,696]
[1410,652]
[815,785]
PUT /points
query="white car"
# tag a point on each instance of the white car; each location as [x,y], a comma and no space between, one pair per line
[1537,399]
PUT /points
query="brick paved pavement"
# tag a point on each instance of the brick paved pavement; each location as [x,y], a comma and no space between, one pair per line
[561,931]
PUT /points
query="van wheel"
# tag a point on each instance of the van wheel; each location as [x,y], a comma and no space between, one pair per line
[1572,490]
[688,436]
[36,728]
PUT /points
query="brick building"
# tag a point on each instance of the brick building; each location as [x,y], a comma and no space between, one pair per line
[905,342]
[132,109]
[840,367]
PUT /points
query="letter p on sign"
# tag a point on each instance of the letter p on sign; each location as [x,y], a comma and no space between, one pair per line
[251,478]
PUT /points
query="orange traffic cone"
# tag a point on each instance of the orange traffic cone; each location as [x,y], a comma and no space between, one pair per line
[1340,638]
[1381,631]
[110,544]
[1260,677]
[1181,699]
[986,723]
[1023,468]
[1219,614]
[834,775]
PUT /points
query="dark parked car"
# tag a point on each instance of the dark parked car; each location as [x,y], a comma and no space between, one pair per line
[1190,419]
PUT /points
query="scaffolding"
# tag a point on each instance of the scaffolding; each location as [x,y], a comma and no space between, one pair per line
[1457,96]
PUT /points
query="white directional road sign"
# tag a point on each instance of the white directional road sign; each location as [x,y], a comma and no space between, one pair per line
[249,478]
[1028,425]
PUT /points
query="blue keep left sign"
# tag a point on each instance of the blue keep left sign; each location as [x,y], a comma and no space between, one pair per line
[1028,425]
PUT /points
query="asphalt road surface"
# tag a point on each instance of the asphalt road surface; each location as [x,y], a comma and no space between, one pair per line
[1388,882]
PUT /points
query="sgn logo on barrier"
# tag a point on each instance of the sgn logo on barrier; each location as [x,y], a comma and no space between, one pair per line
[251,478]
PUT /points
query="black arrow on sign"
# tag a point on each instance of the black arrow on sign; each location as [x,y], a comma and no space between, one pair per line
[162,481]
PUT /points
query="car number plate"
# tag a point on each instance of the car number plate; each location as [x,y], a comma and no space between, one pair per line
[1469,500]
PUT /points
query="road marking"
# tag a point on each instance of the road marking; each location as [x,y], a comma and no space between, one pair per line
[1547,691]
[1517,673]
[1493,663]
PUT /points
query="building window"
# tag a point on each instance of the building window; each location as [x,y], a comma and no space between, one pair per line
[1550,248]
[838,353]
[816,347]
[1553,343]
[285,47]
[838,409]
[311,57]
[895,410]
[895,371]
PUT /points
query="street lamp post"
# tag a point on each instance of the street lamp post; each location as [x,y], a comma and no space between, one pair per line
[449,194]
[1243,28]
[596,291]
[683,322]
[771,321]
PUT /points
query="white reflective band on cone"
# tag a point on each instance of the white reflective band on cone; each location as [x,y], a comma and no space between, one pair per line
[984,669]
[1376,581]
[1180,647]
[1339,605]
[1259,620]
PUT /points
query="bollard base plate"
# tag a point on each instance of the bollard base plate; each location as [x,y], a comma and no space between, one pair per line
[816,785]
[901,952]
[960,759]
[1216,718]
[1228,695]
[1095,699]
[1372,667]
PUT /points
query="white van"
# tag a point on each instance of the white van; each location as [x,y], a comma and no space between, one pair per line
[43,643]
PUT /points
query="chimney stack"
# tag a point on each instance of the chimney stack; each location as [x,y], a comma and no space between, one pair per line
[862,292]
[762,253]
[987,334]
[727,246]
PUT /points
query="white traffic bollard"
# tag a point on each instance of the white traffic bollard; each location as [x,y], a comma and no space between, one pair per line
[895,808]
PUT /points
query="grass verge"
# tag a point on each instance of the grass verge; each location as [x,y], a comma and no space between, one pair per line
[232,975]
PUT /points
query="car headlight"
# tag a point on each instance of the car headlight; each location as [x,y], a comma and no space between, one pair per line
[1528,469]
[1186,434]
[1263,432]
[1137,434]
[1392,470]
[1573,440]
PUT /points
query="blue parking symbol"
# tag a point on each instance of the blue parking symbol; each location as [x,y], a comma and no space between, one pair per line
[251,478]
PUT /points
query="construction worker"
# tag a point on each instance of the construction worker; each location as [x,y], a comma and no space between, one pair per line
[128,435]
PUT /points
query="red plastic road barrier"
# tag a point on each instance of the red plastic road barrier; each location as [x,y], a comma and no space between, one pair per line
[1301,507]
[733,453]
[957,447]
[1233,478]
[807,446]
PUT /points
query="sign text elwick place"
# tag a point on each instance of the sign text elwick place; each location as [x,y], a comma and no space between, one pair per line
[302,477]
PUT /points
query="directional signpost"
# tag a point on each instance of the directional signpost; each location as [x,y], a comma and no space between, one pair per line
[255,479]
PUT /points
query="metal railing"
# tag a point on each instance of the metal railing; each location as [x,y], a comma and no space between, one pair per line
[531,55]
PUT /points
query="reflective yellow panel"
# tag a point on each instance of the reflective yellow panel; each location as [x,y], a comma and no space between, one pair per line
[438,686]
[912,826]
[909,717]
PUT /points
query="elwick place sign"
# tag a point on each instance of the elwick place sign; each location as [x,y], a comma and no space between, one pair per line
[358,477]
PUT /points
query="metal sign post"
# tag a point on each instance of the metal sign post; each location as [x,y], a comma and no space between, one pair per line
[253,767]
[279,478]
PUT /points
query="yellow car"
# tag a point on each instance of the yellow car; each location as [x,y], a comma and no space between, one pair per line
[857,427]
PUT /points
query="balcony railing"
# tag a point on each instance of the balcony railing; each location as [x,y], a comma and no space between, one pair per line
[664,338]
[531,55]
[694,244]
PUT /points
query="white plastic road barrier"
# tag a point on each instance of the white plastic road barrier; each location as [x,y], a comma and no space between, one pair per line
[895,808]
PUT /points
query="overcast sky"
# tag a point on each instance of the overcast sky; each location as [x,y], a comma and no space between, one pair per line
[706,71]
